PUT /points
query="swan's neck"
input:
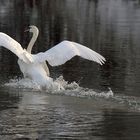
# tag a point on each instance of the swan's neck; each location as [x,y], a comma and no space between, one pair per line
[32,41]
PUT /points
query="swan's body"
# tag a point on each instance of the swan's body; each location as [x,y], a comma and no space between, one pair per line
[33,66]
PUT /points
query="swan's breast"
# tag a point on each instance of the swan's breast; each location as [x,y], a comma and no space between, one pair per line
[34,71]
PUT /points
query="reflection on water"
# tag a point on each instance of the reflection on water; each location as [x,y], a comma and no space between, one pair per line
[39,116]
[111,28]
[108,27]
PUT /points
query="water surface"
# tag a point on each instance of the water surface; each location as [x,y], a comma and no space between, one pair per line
[112,28]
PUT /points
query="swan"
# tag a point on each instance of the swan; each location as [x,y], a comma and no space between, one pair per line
[34,67]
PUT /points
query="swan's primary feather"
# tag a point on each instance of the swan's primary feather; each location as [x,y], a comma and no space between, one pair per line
[12,45]
[64,51]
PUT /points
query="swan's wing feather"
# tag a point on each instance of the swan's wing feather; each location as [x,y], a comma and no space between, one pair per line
[12,45]
[65,50]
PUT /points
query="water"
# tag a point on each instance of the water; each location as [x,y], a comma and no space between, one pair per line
[87,108]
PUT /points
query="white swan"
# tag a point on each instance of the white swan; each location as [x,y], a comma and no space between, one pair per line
[33,66]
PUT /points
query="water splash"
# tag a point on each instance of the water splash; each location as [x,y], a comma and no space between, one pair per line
[62,87]
[59,86]
[22,83]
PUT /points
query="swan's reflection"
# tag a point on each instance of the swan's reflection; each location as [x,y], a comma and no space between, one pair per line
[33,101]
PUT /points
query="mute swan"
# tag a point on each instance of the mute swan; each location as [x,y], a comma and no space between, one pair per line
[33,66]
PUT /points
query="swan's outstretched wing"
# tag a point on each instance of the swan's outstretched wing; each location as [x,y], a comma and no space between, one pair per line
[12,45]
[65,50]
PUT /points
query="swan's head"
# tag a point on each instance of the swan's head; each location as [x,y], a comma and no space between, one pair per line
[33,29]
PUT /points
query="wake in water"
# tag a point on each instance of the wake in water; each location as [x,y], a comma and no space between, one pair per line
[59,86]
[25,83]
[62,87]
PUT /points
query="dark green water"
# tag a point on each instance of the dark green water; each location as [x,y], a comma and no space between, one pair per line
[110,27]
